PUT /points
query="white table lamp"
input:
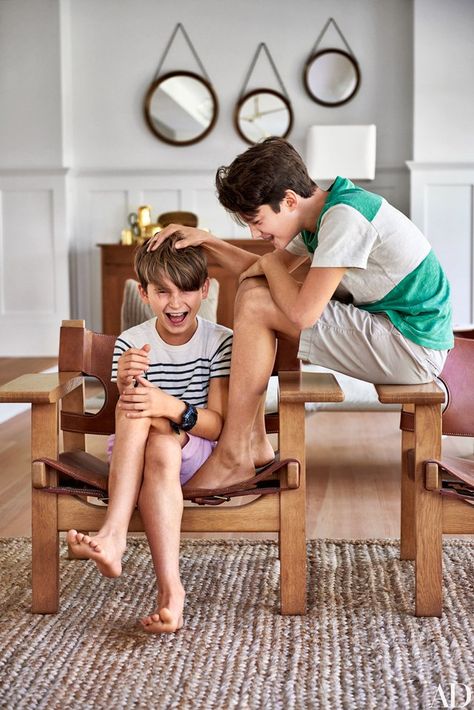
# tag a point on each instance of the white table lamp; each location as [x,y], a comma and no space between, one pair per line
[348,151]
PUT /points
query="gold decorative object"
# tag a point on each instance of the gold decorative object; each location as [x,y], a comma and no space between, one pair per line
[144,216]
[126,237]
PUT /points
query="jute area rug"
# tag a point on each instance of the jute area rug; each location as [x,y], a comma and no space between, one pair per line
[358,647]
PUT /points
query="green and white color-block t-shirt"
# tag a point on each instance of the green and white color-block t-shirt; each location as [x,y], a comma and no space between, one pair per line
[391,267]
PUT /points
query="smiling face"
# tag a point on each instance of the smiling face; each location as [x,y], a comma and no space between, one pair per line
[175,310]
[279,228]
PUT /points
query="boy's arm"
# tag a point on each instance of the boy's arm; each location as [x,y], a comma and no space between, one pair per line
[304,303]
[230,257]
[148,400]
[290,261]
[211,419]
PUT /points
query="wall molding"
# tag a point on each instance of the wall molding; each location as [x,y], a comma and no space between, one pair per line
[442,206]
[34,269]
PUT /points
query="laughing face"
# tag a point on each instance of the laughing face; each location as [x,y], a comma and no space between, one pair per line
[279,228]
[175,310]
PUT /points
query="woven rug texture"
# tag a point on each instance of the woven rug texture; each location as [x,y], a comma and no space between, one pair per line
[359,646]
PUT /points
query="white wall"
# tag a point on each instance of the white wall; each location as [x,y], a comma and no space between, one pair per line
[444,84]
[442,172]
[73,74]
[30,84]
[116,47]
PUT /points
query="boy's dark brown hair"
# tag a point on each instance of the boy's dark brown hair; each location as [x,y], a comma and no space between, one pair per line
[261,176]
[186,268]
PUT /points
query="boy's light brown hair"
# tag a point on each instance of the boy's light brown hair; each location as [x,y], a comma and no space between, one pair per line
[186,268]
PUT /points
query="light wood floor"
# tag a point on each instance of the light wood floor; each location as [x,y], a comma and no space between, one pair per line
[353,473]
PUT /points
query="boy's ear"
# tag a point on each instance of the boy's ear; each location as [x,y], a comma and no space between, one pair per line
[143,294]
[205,288]
[290,199]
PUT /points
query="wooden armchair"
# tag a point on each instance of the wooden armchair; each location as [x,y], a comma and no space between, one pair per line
[430,501]
[437,491]
[59,502]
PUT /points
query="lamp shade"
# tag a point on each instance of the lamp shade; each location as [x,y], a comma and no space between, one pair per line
[348,151]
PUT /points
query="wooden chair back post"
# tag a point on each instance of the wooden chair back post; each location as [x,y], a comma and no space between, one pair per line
[91,353]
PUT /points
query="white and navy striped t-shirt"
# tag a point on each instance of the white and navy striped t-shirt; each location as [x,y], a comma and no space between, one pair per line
[183,371]
[391,267]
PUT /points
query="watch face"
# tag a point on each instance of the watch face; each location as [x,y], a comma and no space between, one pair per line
[189,417]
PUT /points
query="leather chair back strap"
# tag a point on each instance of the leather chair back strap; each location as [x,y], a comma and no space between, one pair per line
[91,353]
[458,378]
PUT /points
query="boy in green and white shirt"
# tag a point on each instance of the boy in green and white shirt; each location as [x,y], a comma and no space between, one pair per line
[390,270]
[374,303]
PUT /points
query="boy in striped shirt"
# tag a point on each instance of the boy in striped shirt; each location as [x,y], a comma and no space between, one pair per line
[172,373]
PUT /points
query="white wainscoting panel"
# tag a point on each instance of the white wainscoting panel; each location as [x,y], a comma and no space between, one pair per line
[442,206]
[34,273]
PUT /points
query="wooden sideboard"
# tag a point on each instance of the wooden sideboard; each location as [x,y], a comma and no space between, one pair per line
[117,267]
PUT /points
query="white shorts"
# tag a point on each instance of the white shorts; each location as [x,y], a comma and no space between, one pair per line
[369,347]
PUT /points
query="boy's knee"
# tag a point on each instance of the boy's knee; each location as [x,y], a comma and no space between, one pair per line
[160,451]
[139,423]
[252,296]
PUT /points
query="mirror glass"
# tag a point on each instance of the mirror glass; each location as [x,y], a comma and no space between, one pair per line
[180,108]
[331,77]
[262,113]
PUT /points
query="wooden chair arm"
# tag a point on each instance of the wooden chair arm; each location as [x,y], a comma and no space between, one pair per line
[410,394]
[45,388]
[296,387]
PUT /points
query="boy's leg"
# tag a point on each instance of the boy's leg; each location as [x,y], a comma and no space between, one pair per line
[161,508]
[257,321]
[126,471]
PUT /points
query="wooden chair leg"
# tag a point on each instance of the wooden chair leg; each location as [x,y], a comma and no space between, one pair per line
[407,509]
[44,521]
[428,515]
[45,553]
[292,534]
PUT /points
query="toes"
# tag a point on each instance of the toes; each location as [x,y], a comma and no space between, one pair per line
[72,537]
[165,616]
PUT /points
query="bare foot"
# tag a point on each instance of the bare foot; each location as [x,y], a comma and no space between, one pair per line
[221,469]
[162,622]
[169,616]
[105,550]
[262,452]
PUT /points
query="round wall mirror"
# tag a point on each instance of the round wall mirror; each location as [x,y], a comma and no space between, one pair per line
[181,108]
[331,77]
[262,113]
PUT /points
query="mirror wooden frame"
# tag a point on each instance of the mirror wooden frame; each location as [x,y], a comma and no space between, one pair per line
[249,95]
[310,61]
[147,105]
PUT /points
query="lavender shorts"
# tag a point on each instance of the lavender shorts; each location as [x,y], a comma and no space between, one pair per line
[193,454]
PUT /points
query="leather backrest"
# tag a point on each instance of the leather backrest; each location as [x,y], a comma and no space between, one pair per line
[458,378]
[90,353]
[286,356]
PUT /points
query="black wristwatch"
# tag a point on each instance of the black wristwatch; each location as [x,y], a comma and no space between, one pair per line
[188,420]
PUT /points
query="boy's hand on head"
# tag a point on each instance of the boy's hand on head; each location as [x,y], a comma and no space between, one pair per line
[144,400]
[192,237]
[132,364]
